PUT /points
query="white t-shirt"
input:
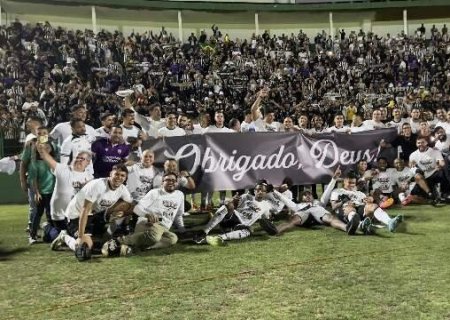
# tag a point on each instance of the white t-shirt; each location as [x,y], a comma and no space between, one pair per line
[129,132]
[357,197]
[398,125]
[373,124]
[213,128]
[443,146]
[415,125]
[72,146]
[334,129]
[63,130]
[175,132]
[169,207]
[403,178]
[384,180]
[101,133]
[248,127]
[263,126]
[99,193]
[427,160]
[148,124]
[140,180]
[361,128]
[249,210]
[276,202]
[68,183]
[445,125]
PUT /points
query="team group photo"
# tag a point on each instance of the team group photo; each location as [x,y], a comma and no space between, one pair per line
[196,163]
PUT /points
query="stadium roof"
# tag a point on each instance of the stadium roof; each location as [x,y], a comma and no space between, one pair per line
[301,5]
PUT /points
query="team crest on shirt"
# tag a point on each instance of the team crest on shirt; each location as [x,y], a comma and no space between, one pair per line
[169,204]
[119,151]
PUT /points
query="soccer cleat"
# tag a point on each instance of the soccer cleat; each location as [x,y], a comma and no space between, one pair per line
[83,252]
[366,226]
[215,241]
[386,203]
[268,226]
[113,248]
[199,237]
[407,200]
[59,241]
[394,222]
[352,224]
[31,240]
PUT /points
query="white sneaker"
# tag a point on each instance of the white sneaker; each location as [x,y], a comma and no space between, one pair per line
[59,241]
[31,240]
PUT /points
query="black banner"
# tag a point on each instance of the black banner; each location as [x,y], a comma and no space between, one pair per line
[230,161]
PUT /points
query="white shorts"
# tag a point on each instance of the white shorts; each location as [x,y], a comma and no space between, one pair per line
[317,213]
[303,215]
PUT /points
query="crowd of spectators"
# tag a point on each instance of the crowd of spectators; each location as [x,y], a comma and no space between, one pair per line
[46,69]
[58,85]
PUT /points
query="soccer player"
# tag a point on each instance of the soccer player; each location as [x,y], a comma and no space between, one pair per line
[171,129]
[352,206]
[86,210]
[238,216]
[108,121]
[69,180]
[430,165]
[157,211]
[76,142]
[63,130]
[141,176]
[311,209]
[266,124]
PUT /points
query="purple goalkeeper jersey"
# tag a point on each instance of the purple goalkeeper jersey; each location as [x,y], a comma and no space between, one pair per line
[107,155]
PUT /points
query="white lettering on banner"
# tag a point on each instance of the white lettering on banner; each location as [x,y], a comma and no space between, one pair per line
[241,164]
[326,153]
[195,151]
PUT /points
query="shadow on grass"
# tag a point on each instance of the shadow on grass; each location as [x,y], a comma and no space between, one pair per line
[9,254]
[176,249]
[418,218]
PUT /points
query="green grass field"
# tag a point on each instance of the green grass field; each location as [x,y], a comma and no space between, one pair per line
[316,273]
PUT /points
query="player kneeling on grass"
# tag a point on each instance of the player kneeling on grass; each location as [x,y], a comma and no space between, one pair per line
[237,215]
[352,206]
[157,211]
[86,212]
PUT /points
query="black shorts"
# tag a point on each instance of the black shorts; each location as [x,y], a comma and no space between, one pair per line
[432,181]
[95,226]
[229,222]
[359,210]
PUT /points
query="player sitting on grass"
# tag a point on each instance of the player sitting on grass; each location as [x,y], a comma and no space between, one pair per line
[157,211]
[352,206]
[237,216]
[311,210]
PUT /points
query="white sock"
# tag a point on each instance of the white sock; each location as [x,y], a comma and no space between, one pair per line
[381,216]
[235,235]
[71,242]
[351,215]
[216,219]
